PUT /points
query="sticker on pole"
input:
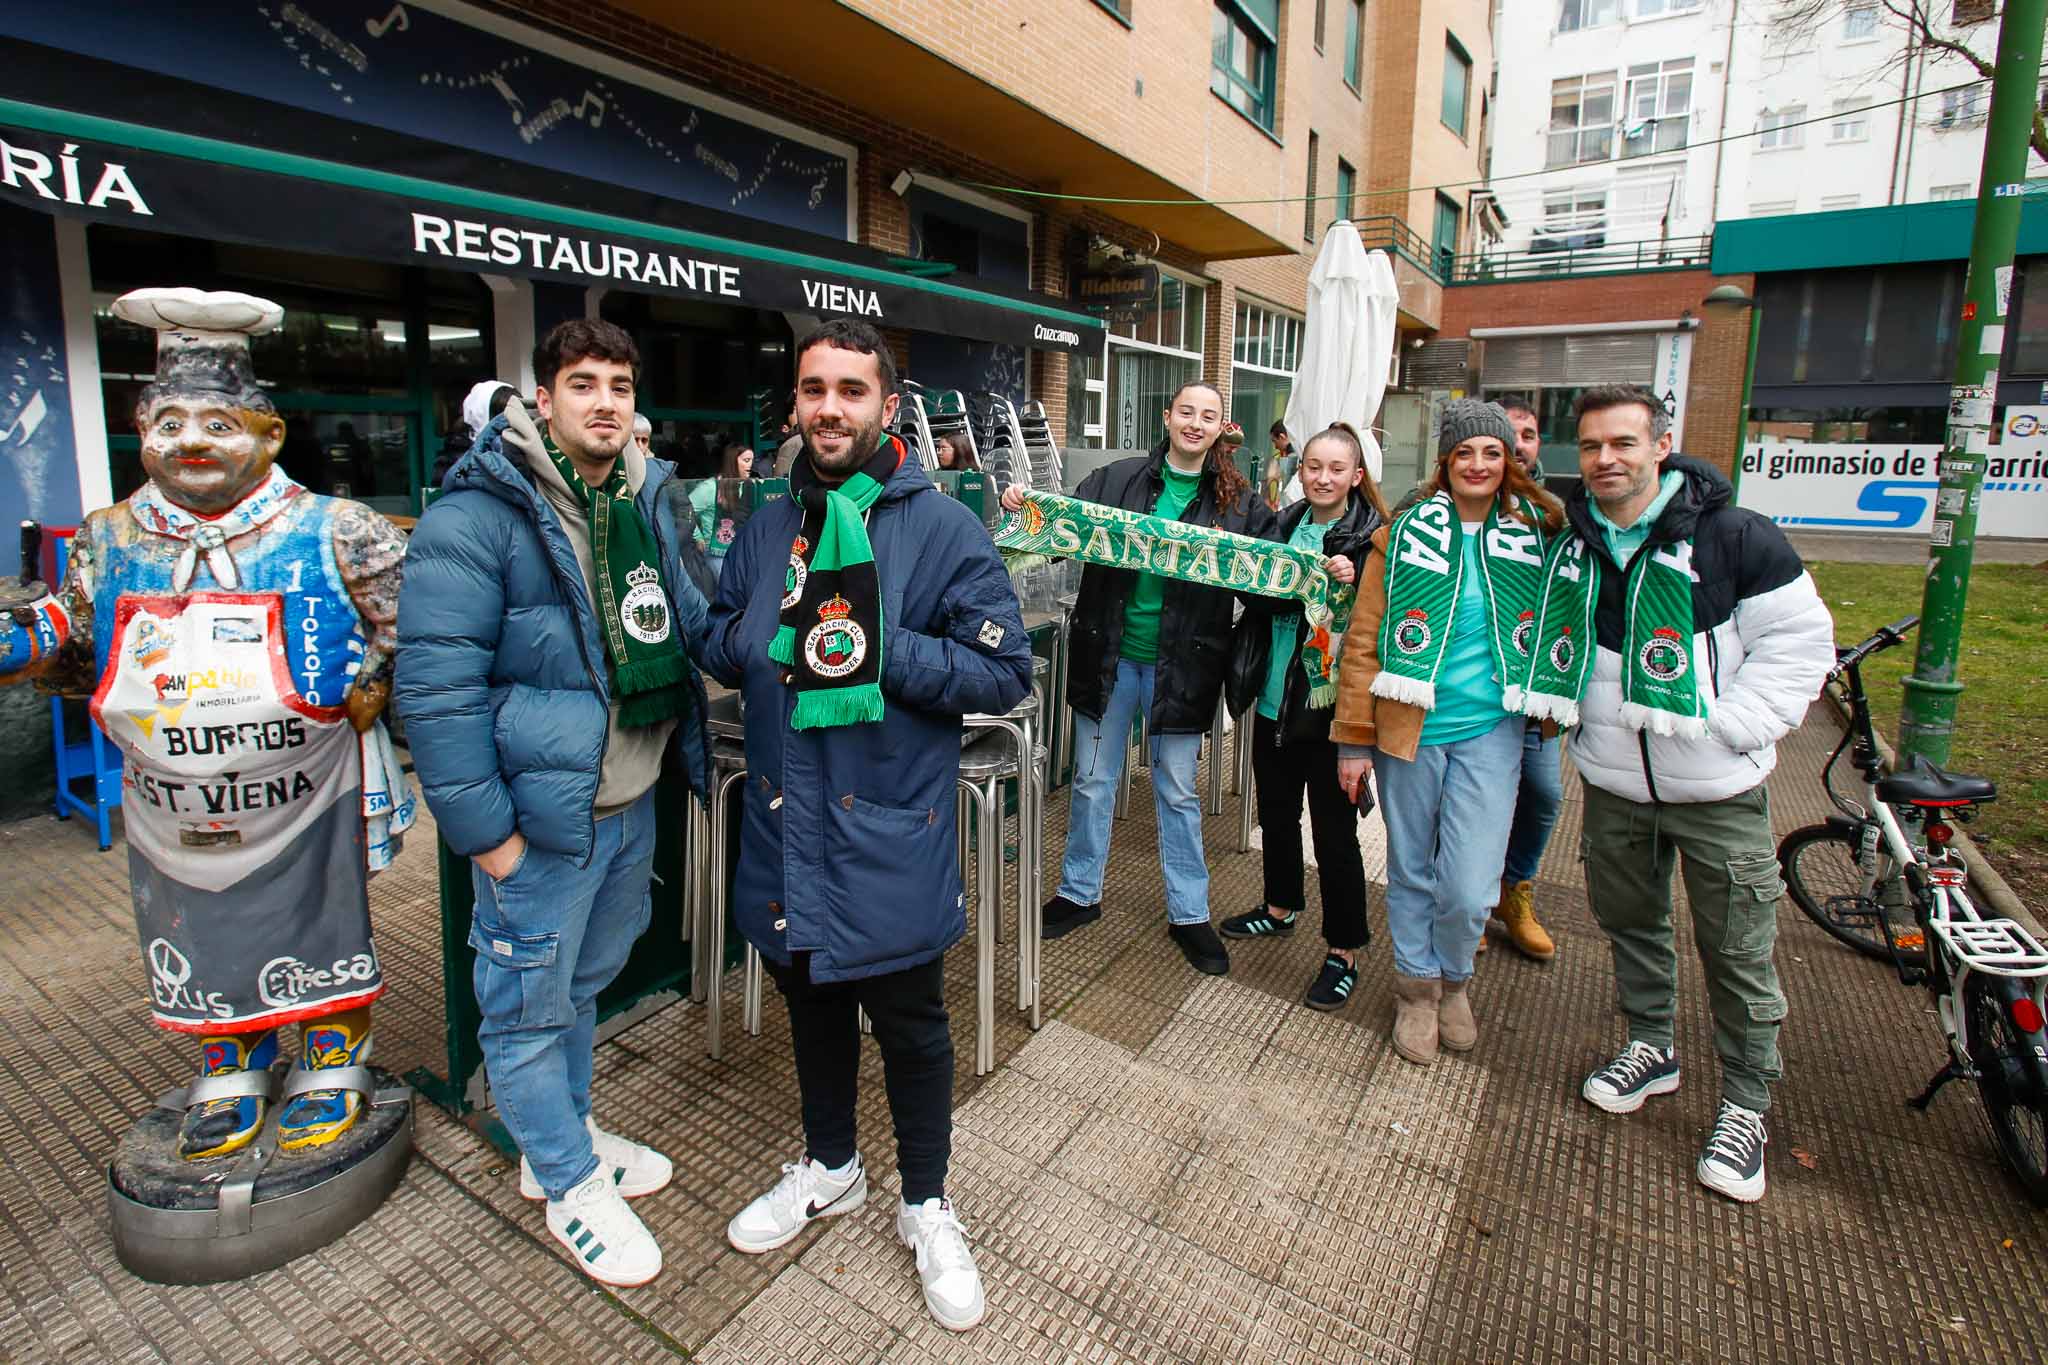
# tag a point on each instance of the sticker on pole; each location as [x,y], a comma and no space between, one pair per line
[1942,532]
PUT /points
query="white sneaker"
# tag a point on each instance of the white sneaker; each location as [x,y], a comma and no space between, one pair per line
[636,1170]
[608,1240]
[806,1193]
[952,1282]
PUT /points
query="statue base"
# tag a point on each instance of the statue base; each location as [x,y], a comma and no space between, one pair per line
[229,1217]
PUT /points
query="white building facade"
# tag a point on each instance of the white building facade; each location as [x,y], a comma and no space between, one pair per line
[1616,120]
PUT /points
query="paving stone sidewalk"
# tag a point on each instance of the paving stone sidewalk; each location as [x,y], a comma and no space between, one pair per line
[1176,1168]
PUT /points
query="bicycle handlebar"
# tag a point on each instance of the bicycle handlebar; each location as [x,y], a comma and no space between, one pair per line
[1885,638]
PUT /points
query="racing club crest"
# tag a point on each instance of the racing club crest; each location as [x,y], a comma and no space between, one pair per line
[1412,635]
[644,609]
[837,645]
[1524,628]
[1663,657]
[793,581]
[1562,651]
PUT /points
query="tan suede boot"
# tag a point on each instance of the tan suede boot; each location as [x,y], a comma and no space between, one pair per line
[1455,1026]
[1518,912]
[1415,1026]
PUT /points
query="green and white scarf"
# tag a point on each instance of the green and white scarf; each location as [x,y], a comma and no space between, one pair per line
[1051,526]
[1659,673]
[1425,575]
[632,600]
[831,629]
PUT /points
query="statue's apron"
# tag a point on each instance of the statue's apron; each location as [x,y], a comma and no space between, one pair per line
[243,798]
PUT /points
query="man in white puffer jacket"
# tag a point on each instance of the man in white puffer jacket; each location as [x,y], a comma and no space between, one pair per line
[1665,785]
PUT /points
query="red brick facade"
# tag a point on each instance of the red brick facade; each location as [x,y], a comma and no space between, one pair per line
[1719,349]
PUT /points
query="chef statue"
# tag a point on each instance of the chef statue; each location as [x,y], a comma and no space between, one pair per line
[236,632]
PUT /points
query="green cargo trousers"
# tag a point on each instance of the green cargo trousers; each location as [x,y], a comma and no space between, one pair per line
[1732,885]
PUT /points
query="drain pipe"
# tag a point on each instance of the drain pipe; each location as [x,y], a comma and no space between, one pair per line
[1721,134]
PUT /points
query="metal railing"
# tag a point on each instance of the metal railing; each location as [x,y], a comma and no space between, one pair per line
[1387,232]
[1548,258]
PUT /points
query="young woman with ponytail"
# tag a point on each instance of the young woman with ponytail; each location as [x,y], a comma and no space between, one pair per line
[1292,755]
[1429,698]
[1145,645]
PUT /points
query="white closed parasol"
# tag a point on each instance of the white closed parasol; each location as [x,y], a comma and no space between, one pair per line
[1348,345]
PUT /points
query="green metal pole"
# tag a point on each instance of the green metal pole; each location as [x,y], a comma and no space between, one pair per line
[1927,718]
[1756,325]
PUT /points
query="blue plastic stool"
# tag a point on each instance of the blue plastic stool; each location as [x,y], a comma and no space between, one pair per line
[95,756]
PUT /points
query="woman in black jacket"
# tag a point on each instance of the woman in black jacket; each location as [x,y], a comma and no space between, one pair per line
[1141,643]
[1291,748]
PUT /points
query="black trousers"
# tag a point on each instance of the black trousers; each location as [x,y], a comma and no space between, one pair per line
[1284,772]
[908,1010]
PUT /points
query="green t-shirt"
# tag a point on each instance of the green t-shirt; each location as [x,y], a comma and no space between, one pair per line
[1141,612]
[1468,695]
[1287,628]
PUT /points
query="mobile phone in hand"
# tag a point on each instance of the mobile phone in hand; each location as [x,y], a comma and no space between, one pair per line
[1365,797]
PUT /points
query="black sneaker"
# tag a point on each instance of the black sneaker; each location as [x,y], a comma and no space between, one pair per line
[1259,923]
[1333,985]
[1198,943]
[1732,1162]
[1062,916]
[1639,1072]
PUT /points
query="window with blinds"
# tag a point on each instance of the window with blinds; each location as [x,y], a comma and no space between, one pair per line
[1556,361]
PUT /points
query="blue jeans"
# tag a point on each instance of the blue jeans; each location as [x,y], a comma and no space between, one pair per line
[548,938]
[1536,804]
[1447,819]
[1099,749]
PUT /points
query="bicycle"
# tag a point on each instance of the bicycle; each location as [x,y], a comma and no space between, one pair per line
[1888,898]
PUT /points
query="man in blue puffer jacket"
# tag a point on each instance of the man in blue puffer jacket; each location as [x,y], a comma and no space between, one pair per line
[543,679]
[862,616]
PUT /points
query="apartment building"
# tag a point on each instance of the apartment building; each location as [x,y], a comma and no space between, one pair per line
[1630,121]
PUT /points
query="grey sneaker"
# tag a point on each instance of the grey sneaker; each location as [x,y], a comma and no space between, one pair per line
[1732,1162]
[806,1193]
[952,1282]
[1639,1072]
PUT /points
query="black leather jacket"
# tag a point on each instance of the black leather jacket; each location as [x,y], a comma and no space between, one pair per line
[1350,537]
[1194,621]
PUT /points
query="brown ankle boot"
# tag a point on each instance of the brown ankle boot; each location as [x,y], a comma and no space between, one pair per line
[1415,1024]
[1518,912]
[1455,1026]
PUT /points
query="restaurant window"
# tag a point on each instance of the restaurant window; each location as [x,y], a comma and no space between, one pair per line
[368,368]
[1581,120]
[1265,352]
[1242,34]
[1153,350]
[1659,108]
[1457,84]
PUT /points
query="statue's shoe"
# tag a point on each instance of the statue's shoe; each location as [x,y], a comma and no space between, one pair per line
[318,1117]
[220,1127]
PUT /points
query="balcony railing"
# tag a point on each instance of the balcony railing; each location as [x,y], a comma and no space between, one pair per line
[1546,258]
[1387,232]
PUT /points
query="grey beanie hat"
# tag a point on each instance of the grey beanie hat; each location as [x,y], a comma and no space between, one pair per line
[1465,418]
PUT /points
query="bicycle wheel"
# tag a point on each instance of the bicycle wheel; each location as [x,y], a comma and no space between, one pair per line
[2014,1102]
[1826,883]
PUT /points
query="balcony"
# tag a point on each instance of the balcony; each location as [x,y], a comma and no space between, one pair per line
[1419,268]
[1581,254]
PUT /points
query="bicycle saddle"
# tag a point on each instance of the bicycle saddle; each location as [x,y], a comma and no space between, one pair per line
[1920,783]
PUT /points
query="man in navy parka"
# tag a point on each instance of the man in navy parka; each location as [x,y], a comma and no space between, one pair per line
[849,878]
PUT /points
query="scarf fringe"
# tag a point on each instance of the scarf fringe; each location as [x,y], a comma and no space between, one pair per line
[818,708]
[1418,692]
[1550,706]
[1637,716]
[1511,697]
[782,649]
[1321,695]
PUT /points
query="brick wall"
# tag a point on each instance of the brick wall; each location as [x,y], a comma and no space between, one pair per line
[1079,64]
[1719,346]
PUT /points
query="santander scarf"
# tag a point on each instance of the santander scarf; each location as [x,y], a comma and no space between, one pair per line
[1425,575]
[632,602]
[831,629]
[1052,526]
[1659,674]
